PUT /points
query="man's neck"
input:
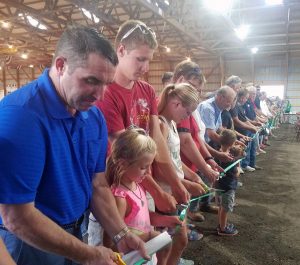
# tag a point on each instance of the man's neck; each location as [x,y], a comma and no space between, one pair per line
[122,80]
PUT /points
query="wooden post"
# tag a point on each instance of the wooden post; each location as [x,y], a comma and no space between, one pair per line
[18,78]
[222,69]
[4,80]
[287,75]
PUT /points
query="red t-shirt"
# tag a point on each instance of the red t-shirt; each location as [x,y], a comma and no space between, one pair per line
[189,125]
[123,107]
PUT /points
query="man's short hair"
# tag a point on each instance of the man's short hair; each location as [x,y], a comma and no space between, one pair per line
[134,33]
[78,42]
[166,77]
[243,92]
[188,69]
[233,80]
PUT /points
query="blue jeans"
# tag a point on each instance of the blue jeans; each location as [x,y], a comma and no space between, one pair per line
[250,158]
[24,254]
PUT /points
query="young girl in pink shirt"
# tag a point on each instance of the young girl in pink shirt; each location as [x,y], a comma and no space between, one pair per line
[130,162]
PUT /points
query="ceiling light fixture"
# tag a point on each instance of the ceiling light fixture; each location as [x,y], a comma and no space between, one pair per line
[188,58]
[31,65]
[89,15]
[273,2]
[242,31]
[5,25]
[219,6]
[24,55]
[254,50]
[168,49]
[35,23]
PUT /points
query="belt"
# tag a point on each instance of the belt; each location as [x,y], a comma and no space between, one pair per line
[73,225]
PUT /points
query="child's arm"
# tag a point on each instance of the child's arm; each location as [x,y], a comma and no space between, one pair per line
[157,219]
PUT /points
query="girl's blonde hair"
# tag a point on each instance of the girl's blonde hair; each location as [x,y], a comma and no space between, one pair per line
[130,147]
[186,93]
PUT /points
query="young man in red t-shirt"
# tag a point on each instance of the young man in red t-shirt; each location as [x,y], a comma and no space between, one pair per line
[129,101]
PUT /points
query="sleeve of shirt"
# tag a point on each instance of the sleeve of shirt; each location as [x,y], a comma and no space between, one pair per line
[101,162]
[184,126]
[111,111]
[22,156]
[208,117]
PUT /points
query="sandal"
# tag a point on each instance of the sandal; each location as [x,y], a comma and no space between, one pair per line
[196,216]
[194,235]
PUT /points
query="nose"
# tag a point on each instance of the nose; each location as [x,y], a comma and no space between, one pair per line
[99,92]
[148,170]
[145,67]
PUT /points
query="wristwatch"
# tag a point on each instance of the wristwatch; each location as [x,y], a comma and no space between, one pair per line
[116,239]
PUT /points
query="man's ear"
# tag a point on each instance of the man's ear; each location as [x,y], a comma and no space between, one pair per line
[60,64]
[121,50]
[181,79]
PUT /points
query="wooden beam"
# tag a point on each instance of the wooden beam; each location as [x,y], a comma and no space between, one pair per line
[4,80]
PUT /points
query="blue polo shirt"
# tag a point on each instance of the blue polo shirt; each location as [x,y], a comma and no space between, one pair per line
[48,156]
[211,115]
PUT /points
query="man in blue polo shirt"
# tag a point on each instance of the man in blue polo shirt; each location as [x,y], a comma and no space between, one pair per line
[53,145]
[210,111]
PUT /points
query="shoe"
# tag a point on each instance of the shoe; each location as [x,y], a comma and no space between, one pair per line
[257,153]
[266,144]
[262,146]
[193,235]
[248,169]
[185,262]
[239,184]
[258,168]
[241,171]
[196,216]
[209,209]
[228,231]
[262,151]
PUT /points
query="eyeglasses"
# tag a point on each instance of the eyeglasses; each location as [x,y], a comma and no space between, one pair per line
[143,29]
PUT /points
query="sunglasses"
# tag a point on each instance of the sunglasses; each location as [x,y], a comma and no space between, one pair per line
[142,28]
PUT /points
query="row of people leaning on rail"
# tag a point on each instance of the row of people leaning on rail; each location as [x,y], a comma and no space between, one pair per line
[89,143]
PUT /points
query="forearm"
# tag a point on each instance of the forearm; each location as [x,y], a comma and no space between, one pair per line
[33,227]
[203,149]
[189,149]
[152,187]
[213,136]
[104,208]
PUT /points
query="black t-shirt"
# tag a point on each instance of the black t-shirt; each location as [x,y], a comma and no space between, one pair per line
[249,109]
[242,117]
[229,181]
[226,119]
[234,111]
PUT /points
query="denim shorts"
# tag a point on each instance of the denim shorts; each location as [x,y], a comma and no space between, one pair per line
[24,254]
[226,200]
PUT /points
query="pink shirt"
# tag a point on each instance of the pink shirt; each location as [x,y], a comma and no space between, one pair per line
[138,219]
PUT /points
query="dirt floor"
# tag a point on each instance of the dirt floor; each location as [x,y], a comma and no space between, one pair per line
[267,215]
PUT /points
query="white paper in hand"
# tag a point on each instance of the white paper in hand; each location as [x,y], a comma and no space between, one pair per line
[152,246]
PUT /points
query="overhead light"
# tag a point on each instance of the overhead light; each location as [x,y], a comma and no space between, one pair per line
[31,65]
[219,6]
[10,46]
[167,2]
[254,50]
[24,55]
[273,2]
[242,31]
[168,49]
[188,58]
[0,68]
[89,15]
[5,25]
[34,22]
